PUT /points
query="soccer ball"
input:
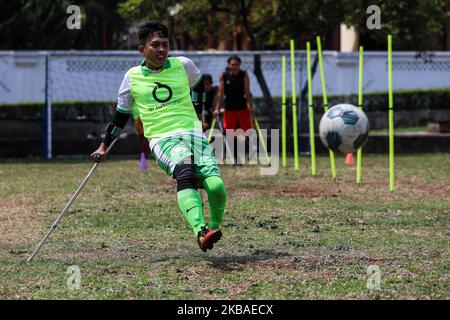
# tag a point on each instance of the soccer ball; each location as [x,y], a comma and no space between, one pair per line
[344,128]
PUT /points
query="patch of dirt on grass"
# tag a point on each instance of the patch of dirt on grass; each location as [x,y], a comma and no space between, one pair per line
[20,225]
[277,264]
[316,256]
[301,189]
[304,190]
[239,262]
[438,189]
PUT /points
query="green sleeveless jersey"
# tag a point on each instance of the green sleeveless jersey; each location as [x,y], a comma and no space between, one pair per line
[163,99]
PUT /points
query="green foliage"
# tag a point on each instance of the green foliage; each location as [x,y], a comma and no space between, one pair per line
[145,10]
[271,23]
[41,24]
[414,24]
[185,19]
[198,24]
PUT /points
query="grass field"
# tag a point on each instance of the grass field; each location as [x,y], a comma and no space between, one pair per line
[289,236]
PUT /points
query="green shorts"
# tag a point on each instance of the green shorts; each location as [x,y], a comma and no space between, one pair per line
[169,151]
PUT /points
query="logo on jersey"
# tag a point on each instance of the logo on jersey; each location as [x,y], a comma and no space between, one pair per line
[161,87]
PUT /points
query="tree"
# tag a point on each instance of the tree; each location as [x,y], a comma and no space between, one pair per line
[414,24]
[190,22]
[41,24]
[269,24]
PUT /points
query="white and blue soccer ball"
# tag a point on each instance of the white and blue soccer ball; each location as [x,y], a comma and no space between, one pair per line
[344,128]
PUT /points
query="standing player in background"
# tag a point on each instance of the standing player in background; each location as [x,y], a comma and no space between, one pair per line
[234,91]
[160,89]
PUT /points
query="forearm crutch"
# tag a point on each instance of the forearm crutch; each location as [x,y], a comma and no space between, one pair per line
[75,195]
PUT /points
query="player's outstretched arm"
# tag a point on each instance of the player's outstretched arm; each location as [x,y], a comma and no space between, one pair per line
[123,110]
[112,131]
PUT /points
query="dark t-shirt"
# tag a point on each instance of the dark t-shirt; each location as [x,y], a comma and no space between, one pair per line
[234,91]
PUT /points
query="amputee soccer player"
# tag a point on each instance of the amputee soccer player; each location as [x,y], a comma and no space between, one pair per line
[160,90]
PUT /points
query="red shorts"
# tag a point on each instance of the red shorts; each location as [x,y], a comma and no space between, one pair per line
[239,119]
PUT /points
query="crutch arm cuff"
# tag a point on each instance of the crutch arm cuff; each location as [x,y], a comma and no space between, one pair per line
[114,128]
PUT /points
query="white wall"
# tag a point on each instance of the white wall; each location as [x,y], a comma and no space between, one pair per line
[96,75]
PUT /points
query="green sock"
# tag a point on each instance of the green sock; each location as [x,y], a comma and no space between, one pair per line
[217,197]
[190,205]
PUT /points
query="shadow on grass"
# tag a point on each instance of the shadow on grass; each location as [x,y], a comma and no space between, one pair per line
[223,262]
[229,263]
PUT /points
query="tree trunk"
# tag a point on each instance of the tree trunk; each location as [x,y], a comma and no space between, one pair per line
[264,88]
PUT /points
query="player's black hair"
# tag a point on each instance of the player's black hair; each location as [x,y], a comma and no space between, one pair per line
[234,57]
[147,29]
[208,77]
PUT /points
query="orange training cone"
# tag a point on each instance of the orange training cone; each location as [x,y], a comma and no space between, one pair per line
[349,159]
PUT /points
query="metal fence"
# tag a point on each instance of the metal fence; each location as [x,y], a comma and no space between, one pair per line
[82,76]
[96,75]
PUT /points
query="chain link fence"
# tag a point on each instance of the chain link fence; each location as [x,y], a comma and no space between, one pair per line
[80,88]
[96,75]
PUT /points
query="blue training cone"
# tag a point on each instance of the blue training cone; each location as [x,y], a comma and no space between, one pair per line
[143,165]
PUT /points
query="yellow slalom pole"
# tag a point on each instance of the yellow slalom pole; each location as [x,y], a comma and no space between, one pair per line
[325,101]
[283,112]
[294,106]
[213,124]
[261,138]
[391,118]
[360,105]
[311,111]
